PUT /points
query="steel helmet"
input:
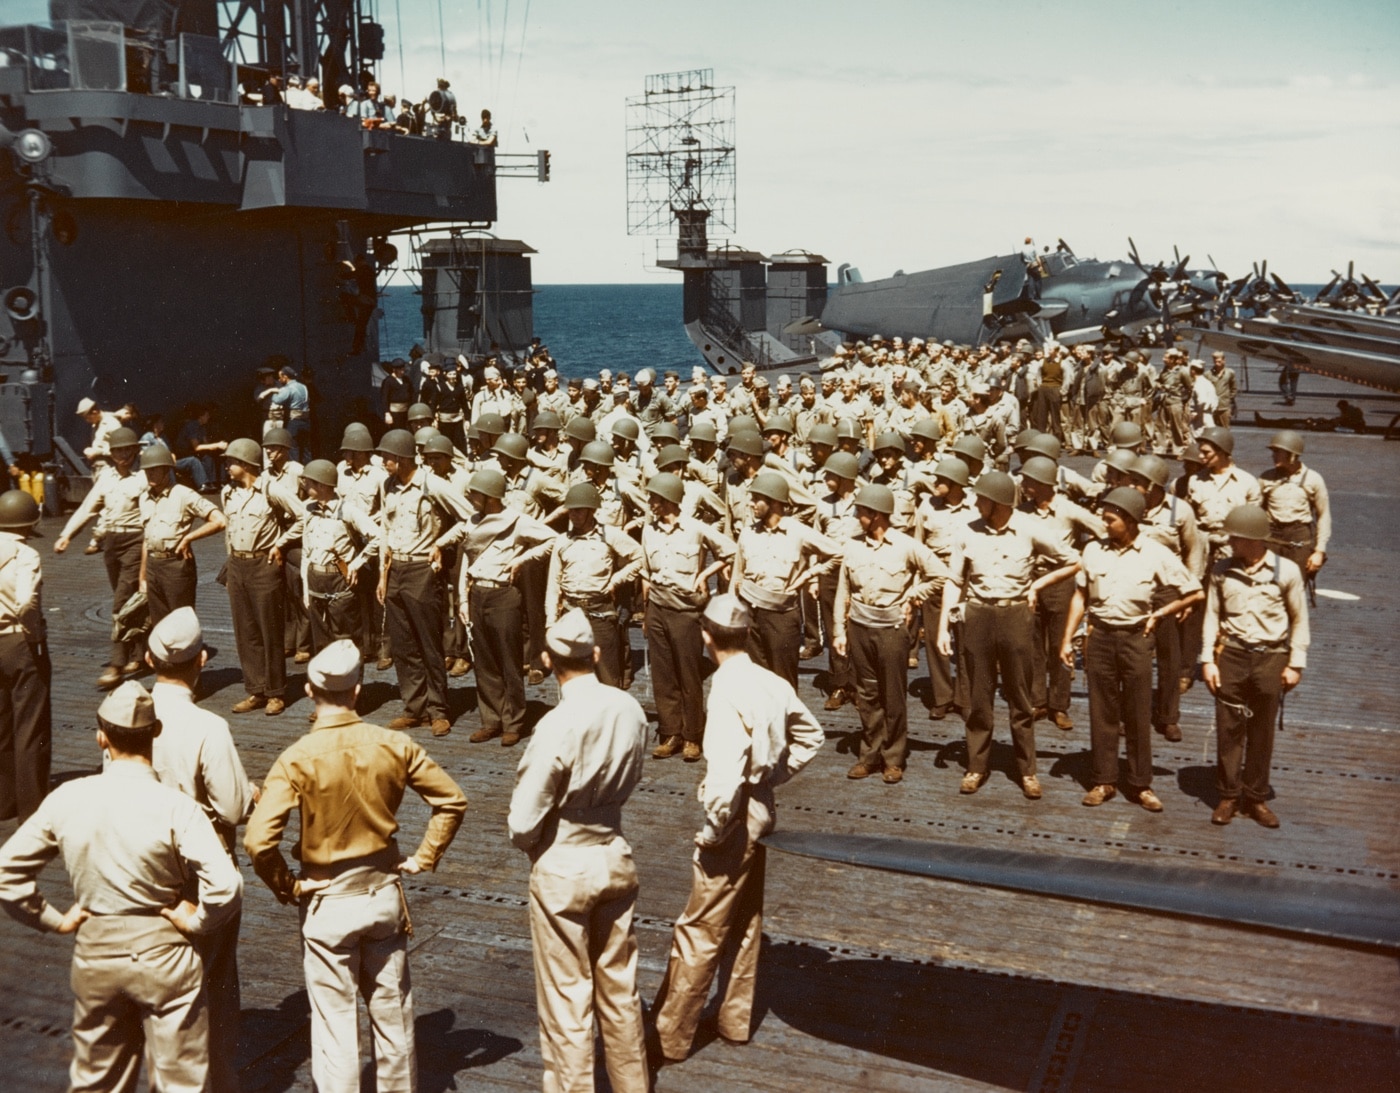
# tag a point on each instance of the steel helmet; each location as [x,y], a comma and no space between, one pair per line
[971,446]
[277,438]
[952,470]
[889,440]
[18,511]
[1023,438]
[1121,460]
[848,428]
[1125,435]
[668,487]
[423,435]
[779,423]
[1128,501]
[123,438]
[997,486]
[1219,437]
[582,429]
[489,483]
[1247,522]
[156,455]
[437,444]
[665,431]
[598,452]
[546,419]
[513,445]
[1191,454]
[1152,468]
[927,428]
[671,455]
[420,411]
[356,438]
[822,433]
[322,471]
[398,443]
[745,442]
[1039,469]
[1043,444]
[743,423]
[491,423]
[770,484]
[704,430]
[1286,440]
[627,428]
[584,495]
[245,451]
[877,498]
[842,465]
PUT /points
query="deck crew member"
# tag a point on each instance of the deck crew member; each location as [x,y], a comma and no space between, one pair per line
[496,542]
[358,483]
[415,506]
[395,394]
[280,467]
[776,559]
[1295,497]
[131,846]
[116,495]
[588,565]
[941,515]
[536,493]
[170,511]
[261,517]
[1254,650]
[346,779]
[25,725]
[1124,575]
[1222,377]
[885,575]
[758,734]
[337,541]
[992,572]
[675,589]
[583,761]
[837,520]
[195,754]
[700,502]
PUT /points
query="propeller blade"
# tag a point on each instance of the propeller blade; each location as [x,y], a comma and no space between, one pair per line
[1351,273]
[1330,285]
[1213,263]
[1180,270]
[1264,269]
[1133,254]
[1283,287]
[1376,289]
[1321,909]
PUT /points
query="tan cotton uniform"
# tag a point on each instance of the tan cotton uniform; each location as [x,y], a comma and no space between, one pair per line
[583,761]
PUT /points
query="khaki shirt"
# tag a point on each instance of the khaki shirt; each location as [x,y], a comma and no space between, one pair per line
[493,544]
[837,520]
[412,516]
[338,533]
[21,589]
[1119,583]
[991,566]
[362,487]
[116,498]
[1212,496]
[1298,498]
[673,556]
[347,779]
[879,577]
[584,570]
[1067,522]
[1261,608]
[699,502]
[258,516]
[195,754]
[170,515]
[582,762]
[772,563]
[938,523]
[533,492]
[129,844]
[1173,524]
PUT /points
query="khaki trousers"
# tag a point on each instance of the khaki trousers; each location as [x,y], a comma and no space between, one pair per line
[585,947]
[720,931]
[137,982]
[353,942]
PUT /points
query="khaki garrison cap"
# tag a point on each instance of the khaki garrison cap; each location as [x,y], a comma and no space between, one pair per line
[129,707]
[336,667]
[86,406]
[728,612]
[571,636]
[177,638]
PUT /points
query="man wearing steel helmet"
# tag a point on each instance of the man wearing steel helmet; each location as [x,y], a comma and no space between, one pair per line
[338,540]
[25,726]
[170,512]
[1295,497]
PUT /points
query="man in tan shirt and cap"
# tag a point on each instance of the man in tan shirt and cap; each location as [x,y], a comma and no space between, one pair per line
[582,763]
[347,778]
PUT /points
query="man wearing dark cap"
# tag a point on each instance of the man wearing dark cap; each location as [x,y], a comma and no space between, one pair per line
[133,849]
[1121,578]
[346,779]
[395,394]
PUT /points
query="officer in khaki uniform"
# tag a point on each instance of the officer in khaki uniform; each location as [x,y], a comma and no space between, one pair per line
[338,540]
[131,845]
[25,726]
[346,779]
[171,510]
[758,734]
[582,763]
[1295,497]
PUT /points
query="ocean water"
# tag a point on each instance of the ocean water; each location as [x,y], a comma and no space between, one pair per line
[587,327]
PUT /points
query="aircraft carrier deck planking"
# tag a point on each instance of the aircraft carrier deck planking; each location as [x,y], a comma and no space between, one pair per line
[870,980]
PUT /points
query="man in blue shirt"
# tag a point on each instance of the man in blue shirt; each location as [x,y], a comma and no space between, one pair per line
[292,397]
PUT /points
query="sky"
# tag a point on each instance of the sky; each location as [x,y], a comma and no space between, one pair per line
[908,135]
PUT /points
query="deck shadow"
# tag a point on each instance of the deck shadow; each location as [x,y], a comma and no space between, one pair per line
[444,1051]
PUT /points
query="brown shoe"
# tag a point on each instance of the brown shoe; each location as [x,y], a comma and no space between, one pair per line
[134,668]
[971,782]
[406,721]
[1225,811]
[275,706]
[860,770]
[484,734]
[691,753]
[249,704]
[809,652]
[1040,713]
[441,726]
[893,776]
[384,663]
[1172,733]
[938,713]
[301,658]
[509,739]
[1062,720]
[1261,814]
[1030,787]
[669,746]
[1185,684]
[1148,800]
[1098,795]
[536,677]
[460,667]
[836,699]
[110,677]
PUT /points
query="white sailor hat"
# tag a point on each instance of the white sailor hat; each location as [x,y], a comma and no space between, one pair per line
[130,706]
[728,612]
[177,638]
[491,373]
[336,667]
[86,406]
[605,373]
[784,381]
[571,636]
[551,374]
[646,376]
[1198,365]
[590,385]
